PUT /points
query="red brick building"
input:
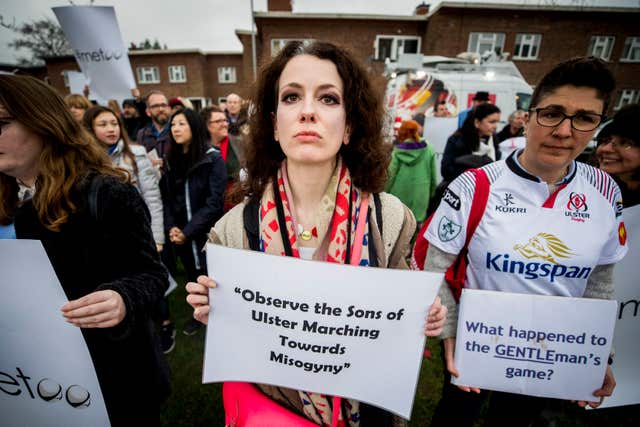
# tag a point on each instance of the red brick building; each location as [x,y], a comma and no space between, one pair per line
[201,77]
[535,36]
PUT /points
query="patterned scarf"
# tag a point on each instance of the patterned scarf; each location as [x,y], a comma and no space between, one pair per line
[337,226]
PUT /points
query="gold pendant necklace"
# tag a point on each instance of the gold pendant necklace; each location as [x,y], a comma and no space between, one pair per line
[306,235]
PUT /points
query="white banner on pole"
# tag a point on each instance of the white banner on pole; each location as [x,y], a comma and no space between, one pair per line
[46,373]
[625,341]
[327,328]
[533,344]
[94,36]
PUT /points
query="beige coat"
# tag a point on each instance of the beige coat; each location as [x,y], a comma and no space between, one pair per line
[398,226]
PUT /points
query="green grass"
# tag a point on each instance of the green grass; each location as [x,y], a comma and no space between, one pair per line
[193,403]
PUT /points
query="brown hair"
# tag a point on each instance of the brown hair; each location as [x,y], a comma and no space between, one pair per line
[68,154]
[588,72]
[90,116]
[408,130]
[366,155]
[77,101]
[206,112]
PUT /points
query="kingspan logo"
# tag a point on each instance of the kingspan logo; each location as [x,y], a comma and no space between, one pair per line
[544,246]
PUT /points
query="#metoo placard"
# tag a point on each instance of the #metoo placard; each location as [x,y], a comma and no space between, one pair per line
[46,373]
[532,344]
[335,329]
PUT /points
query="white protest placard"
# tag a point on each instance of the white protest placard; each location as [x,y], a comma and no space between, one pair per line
[625,341]
[94,36]
[532,344]
[46,373]
[335,329]
[77,82]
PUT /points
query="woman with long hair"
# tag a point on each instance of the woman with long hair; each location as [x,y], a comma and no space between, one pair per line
[192,185]
[107,127]
[58,186]
[474,144]
[317,155]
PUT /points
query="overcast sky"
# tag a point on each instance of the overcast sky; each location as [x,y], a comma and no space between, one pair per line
[210,24]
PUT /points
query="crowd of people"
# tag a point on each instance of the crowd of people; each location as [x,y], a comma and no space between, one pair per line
[118,196]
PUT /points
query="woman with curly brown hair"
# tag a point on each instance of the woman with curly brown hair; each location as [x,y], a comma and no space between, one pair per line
[57,185]
[316,164]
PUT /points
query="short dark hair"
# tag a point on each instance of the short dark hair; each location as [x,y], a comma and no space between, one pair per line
[590,72]
[367,156]
[206,112]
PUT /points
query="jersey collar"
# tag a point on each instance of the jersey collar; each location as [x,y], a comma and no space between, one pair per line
[516,167]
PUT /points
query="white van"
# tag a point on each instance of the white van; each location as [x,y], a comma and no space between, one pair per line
[417,89]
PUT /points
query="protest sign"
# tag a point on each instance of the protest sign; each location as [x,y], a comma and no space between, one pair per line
[532,344]
[46,373]
[94,36]
[335,329]
[625,341]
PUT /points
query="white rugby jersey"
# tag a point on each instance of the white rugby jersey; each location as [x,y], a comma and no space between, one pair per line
[530,241]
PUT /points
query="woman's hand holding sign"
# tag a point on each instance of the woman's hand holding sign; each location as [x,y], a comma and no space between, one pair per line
[435,319]
[198,297]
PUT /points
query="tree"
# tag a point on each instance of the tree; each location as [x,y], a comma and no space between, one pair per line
[42,38]
[156,45]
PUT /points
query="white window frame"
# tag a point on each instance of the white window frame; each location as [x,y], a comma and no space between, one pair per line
[148,75]
[627,96]
[631,47]
[495,39]
[278,44]
[397,44]
[65,77]
[532,41]
[177,74]
[227,75]
[602,46]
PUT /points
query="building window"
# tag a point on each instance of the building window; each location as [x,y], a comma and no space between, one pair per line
[631,51]
[527,46]
[483,42]
[628,96]
[148,75]
[65,77]
[393,46]
[226,74]
[278,44]
[601,46]
[177,74]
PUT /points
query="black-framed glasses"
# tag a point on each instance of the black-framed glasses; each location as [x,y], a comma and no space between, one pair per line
[581,121]
[217,122]
[155,106]
[5,121]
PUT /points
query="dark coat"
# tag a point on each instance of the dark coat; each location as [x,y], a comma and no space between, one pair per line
[457,157]
[114,250]
[135,124]
[207,181]
[505,133]
[236,124]
[147,138]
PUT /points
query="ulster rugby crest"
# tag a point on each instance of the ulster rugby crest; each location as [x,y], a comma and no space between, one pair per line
[545,246]
[447,229]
